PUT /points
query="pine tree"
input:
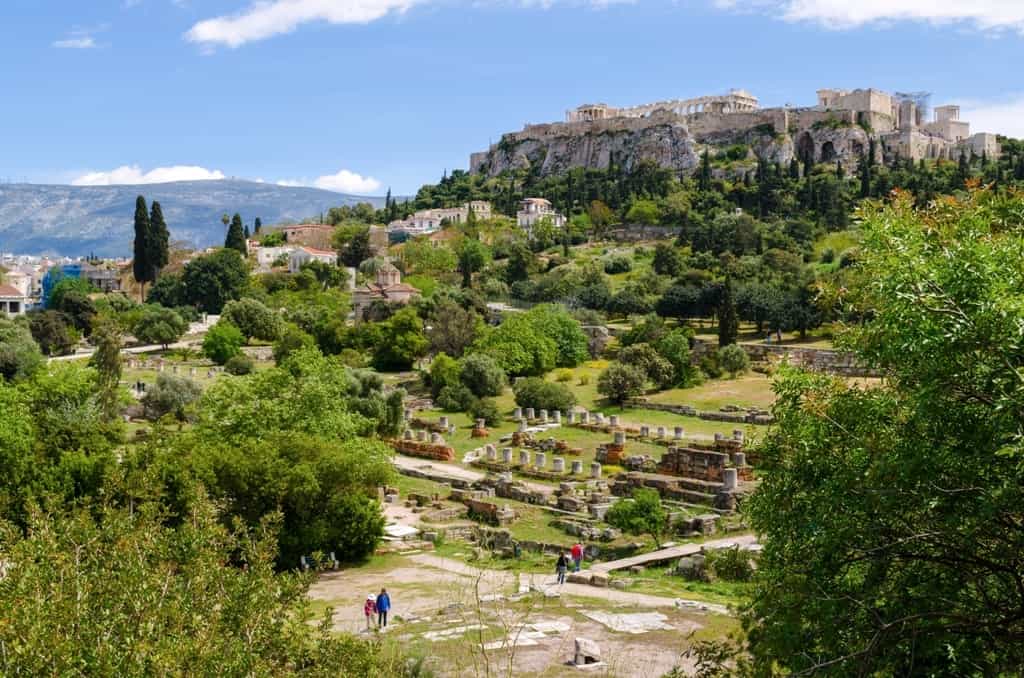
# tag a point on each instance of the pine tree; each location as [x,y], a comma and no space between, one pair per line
[236,236]
[257,226]
[160,240]
[141,267]
[728,320]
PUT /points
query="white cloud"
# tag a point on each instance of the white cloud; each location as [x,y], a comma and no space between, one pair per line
[84,42]
[133,174]
[1004,117]
[342,182]
[267,18]
[983,14]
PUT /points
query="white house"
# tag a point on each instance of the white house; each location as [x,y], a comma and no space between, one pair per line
[533,210]
[13,301]
[266,256]
[304,255]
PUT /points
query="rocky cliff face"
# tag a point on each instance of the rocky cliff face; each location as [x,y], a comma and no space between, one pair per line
[556,148]
[669,141]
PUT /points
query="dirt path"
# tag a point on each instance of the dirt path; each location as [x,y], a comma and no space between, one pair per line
[495,579]
[455,471]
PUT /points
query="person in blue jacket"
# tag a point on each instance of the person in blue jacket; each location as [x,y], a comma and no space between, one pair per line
[383,605]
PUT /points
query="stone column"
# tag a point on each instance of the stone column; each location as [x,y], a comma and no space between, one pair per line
[408,435]
[557,416]
[599,418]
[192,372]
[540,460]
[577,467]
[558,464]
[443,423]
[619,437]
[584,417]
[739,459]
[524,457]
[719,437]
[436,439]
[678,433]
[421,436]
[529,413]
[491,452]
[506,455]
[481,423]
[645,431]
[407,414]
[517,413]
[522,425]
[595,470]
[613,420]
[729,479]
[661,432]
[737,434]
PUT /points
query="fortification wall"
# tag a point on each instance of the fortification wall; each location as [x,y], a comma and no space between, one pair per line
[707,124]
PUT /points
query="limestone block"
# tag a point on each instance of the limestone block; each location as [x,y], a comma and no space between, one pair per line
[577,467]
[586,652]
[595,469]
[558,464]
[599,579]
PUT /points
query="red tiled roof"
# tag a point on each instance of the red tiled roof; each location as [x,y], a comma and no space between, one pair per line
[8,291]
[313,250]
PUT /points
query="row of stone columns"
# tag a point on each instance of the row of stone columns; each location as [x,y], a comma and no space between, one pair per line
[542,415]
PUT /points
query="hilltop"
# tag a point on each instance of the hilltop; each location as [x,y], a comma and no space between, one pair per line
[78,220]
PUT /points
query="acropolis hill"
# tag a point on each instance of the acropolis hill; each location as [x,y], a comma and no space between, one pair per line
[674,133]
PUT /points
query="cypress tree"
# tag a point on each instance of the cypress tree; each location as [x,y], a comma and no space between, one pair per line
[141,267]
[245,232]
[704,179]
[865,177]
[257,226]
[794,169]
[963,170]
[236,236]
[840,174]
[159,241]
[728,320]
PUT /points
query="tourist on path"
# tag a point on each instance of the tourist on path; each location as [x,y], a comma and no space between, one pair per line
[561,566]
[577,555]
[383,605]
[369,609]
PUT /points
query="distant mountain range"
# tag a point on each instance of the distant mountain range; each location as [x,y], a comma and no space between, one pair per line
[79,220]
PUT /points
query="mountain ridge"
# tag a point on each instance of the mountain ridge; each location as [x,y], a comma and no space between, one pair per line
[70,220]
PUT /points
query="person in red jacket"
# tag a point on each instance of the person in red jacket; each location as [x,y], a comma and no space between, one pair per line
[577,555]
[370,609]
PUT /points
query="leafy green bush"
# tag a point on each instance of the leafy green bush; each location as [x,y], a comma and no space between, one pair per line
[543,395]
[620,382]
[454,398]
[618,264]
[239,365]
[253,319]
[170,395]
[482,375]
[730,564]
[222,342]
[733,359]
[486,409]
[292,339]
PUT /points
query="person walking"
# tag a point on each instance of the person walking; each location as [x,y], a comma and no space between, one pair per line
[561,566]
[369,609]
[383,605]
[577,556]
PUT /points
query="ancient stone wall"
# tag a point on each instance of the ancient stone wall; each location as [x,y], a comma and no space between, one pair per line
[816,359]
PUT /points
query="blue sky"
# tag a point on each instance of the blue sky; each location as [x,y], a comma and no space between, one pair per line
[360,95]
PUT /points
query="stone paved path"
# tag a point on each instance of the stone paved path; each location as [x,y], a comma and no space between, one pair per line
[549,586]
[672,553]
[455,471]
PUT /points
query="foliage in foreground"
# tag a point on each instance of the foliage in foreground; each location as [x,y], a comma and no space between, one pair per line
[108,590]
[892,516]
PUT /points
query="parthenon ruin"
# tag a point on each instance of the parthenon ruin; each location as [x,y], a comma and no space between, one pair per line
[734,101]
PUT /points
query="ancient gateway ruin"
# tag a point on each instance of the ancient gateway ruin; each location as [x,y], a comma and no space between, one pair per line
[839,127]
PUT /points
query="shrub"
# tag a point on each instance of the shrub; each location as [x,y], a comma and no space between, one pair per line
[159,325]
[656,368]
[291,340]
[253,319]
[444,371]
[618,264]
[170,395]
[486,409]
[563,375]
[620,383]
[584,380]
[643,514]
[454,398]
[730,564]
[482,375]
[19,354]
[239,365]
[543,395]
[828,255]
[222,342]
[733,359]
[709,366]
